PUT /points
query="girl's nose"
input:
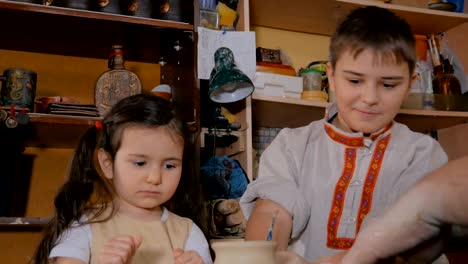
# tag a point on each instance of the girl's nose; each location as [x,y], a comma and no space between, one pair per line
[154,177]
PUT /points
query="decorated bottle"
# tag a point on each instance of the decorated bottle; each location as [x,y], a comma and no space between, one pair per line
[116,83]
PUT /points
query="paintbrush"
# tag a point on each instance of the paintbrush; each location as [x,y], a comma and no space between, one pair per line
[272,225]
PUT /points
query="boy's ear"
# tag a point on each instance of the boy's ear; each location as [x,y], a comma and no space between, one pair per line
[105,161]
[330,75]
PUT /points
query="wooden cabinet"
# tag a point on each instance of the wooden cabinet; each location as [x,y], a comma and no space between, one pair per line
[68,49]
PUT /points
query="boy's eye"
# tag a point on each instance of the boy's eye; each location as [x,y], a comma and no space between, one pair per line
[389,85]
[354,81]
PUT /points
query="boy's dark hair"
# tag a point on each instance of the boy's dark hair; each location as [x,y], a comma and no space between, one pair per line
[378,29]
[87,192]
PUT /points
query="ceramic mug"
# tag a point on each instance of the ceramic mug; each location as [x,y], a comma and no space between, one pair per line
[18,87]
[163,90]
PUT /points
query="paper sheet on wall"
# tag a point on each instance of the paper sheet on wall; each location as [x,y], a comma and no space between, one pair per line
[241,43]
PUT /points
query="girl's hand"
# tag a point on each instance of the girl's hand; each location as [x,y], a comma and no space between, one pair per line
[187,257]
[120,250]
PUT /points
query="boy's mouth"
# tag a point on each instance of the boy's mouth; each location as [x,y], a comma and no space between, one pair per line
[366,112]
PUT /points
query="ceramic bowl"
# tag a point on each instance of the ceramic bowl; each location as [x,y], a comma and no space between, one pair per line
[246,252]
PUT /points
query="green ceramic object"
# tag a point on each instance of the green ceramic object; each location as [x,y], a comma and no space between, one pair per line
[227,83]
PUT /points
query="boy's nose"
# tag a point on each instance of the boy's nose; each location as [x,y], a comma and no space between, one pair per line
[154,177]
[369,94]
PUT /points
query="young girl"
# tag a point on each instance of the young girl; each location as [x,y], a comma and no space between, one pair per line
[118,209]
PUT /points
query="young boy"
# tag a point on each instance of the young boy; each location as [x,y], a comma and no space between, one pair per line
[327,179]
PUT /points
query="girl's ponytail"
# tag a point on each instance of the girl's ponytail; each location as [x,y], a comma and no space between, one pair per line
[73,198]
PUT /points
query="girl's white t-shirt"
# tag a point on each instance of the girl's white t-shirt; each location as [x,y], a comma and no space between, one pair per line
[75,242]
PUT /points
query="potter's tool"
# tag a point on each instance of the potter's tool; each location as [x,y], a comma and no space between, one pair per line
[270,231]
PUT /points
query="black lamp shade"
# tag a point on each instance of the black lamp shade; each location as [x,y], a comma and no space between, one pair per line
[227,83]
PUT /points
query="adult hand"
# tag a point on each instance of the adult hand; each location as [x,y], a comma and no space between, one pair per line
[403,230]
[187,257]
[120,249]
[415,225]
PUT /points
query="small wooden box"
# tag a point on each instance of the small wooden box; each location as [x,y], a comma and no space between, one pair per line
[268,55]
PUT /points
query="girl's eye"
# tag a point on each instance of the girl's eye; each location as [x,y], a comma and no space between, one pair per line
[169,166]
[139,163]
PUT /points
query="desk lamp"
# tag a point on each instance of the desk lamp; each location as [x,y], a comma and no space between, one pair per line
[227,83]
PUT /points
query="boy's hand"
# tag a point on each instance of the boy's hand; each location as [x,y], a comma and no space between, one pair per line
[120,249]
[261,218]
[186,257]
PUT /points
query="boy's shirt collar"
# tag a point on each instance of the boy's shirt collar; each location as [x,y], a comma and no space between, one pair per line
[356,139]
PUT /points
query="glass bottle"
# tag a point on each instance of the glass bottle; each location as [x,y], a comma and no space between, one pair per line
[116,83]
[446,86]
[444,81]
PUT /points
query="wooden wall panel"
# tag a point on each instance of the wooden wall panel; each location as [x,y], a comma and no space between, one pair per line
[17,247]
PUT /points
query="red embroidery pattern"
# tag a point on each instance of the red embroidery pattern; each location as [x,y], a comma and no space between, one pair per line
[371,179]
[355,142]
[338,202]
[375,136]
[340,193]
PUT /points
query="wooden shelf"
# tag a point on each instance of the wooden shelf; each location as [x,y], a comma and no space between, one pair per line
[57,131]
[428,120]
[62,119]
[321,16]
[289,100]
[23,224]
[83,33]
[53,10]
[271,111]
[53,131]
[231,150]
[24,221]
